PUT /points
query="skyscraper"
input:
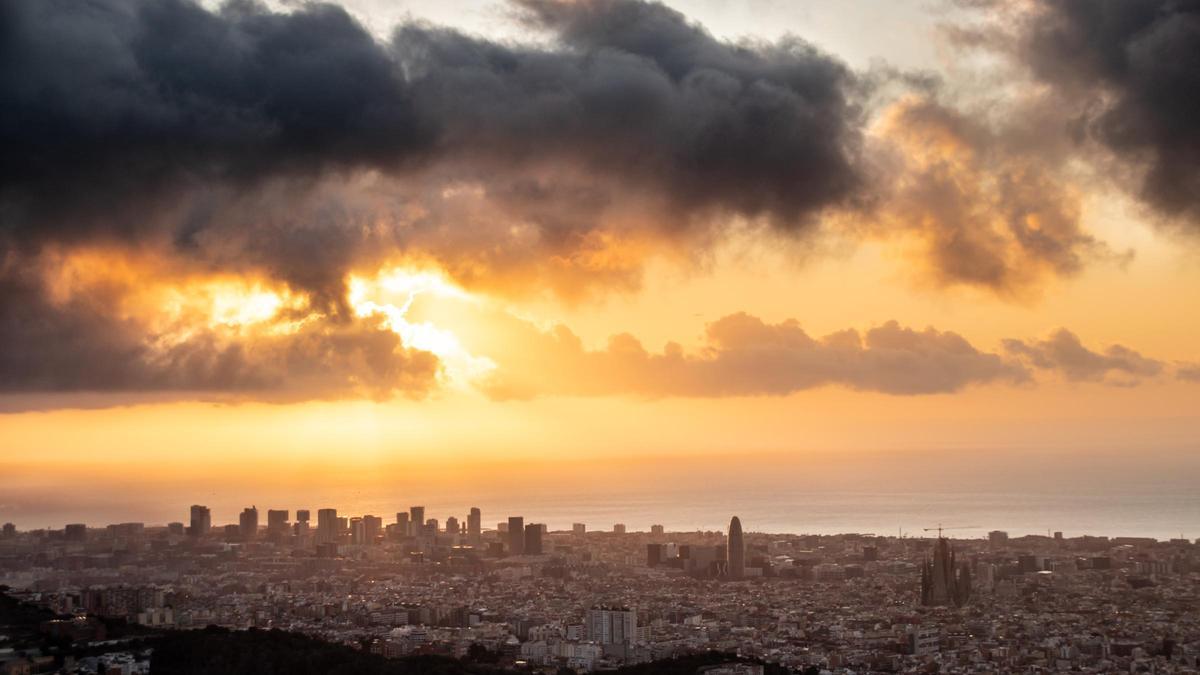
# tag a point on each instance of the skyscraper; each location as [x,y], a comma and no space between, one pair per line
[943,582]
[737,550]
[373,527]
[475,525]
[277,521]
[416,515]
[327,526]
[402,524]
[533,539]
[452,525]
[657,530]
[201,521]
[579,528]
[516,535]
[300,528]
[248,523]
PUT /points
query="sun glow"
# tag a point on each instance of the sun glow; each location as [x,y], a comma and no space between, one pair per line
[391,295]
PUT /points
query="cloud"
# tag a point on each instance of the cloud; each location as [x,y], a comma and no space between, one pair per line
[744,356]
[1064,352]
[87,341]
[986,209]
[1188,372]
[1124,72]
[311,145]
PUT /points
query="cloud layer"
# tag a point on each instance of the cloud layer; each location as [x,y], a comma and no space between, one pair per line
[294,148]
[742,355]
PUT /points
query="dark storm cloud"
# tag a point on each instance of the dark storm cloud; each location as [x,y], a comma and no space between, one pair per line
[1064,352]
[1145,55]
[115,109]
[1127,70]
[745,356]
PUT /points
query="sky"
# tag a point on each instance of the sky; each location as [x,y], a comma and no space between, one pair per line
[449,247]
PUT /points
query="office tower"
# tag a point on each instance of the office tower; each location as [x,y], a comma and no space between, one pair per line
[579,529]
[175,529]
[619,528]
[737,550]
[358,531]
[416,515]
[372,528]
[201,521]
[502,528]
[277,521]
[405,530]
[300,527]
[533,539]
[657,530]
[327,526]
[943,582]
[343,526]
[611,625]
[516,535]
[8,531]
[475,525]
[75,532]
[654,555]
[452,525]
[431,527]
[233,533]
[248,523]
[997,537]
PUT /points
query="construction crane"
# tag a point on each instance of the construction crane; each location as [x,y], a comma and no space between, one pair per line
[939,528]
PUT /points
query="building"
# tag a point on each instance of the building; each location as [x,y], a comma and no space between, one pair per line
[579,529]
[611,625]
[201,521]
[657,530]
[75,532]
[997,537]
[533,539]
[416,516]
[402,524]
[452,525]
[619,528]
[372,529]
[516,535]
[327,526]
[737,550]
[277,521]
[248,523]
[943,582]
[475,525]
[654,555]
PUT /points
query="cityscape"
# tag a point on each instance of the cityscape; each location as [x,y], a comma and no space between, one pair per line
[594,599]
